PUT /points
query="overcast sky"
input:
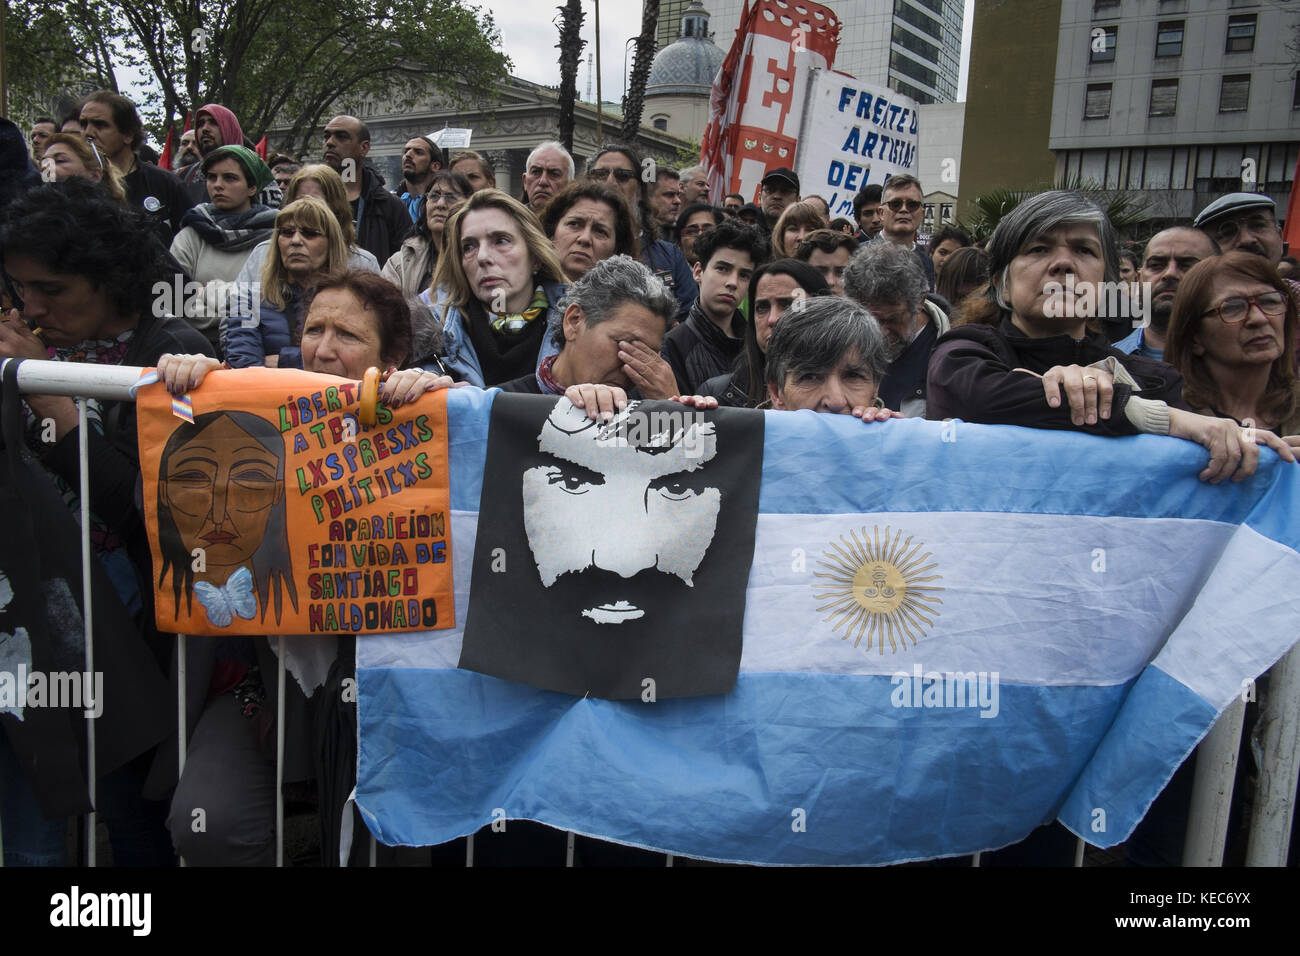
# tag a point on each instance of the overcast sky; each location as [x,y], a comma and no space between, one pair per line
[529,35]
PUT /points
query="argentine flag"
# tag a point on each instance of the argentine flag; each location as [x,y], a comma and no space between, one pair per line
[953,633]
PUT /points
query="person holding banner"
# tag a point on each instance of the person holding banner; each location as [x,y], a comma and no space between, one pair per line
[1025,356]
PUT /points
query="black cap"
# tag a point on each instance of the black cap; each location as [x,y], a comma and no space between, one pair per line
[783,175]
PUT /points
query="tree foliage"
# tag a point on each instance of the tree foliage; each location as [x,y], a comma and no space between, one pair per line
[289,63]
[56,52]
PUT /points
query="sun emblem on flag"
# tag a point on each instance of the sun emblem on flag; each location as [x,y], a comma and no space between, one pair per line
[878,589]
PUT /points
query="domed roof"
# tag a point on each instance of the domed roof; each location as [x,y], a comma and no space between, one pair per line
[689,64]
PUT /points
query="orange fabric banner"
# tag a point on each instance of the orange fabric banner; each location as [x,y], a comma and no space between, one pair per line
[272,510]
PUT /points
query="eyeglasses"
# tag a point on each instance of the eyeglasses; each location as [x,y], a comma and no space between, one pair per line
[622,175]
[695,230]
[1234,310]
[897,204]
[449,198]
[1227,230]
[288,232]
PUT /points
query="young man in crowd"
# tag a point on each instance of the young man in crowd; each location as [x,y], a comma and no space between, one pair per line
[421,158]
[1168,256]
[866,210]
[780,189]
[829,253]
[42,130]
[709,340]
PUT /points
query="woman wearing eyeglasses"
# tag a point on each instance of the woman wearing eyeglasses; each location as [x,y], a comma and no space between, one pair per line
[623,168]
[306,245]
[1232,336]
[411,267]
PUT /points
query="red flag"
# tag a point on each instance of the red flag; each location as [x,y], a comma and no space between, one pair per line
[1291,233]
[189,118]
[260,148]
[757,96]
[165,158]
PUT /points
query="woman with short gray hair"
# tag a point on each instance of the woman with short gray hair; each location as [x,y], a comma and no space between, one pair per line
[828,354]
[1026,357]
[613,324]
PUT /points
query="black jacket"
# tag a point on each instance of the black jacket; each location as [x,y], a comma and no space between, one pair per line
[698,350]
[972,376]
[731,389]
[161,195]
[384,221]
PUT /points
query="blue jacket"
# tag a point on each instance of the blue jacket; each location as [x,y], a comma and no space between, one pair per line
[249,344]
[667,262]
[458,350]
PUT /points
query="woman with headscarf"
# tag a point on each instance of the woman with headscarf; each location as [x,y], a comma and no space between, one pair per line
[217,237]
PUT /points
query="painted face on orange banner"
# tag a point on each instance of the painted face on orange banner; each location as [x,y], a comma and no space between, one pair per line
[221,487]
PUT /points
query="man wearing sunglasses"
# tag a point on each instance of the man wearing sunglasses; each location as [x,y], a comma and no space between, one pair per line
[1246,222]
[623,168]
[902,210]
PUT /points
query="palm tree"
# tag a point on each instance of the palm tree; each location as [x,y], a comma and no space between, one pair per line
[645,52]
[1127,212]
[570,46]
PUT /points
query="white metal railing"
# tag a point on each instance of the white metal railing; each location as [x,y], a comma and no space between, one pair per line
[1278,728]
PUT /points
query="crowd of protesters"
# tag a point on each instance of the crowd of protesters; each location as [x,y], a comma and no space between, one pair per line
[599,283]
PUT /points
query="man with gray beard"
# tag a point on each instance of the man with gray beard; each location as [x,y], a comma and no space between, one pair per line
[1168,256]
[889,281]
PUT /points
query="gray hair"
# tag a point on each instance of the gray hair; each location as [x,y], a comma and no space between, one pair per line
[884,272]
[612,283]
[1039,215]
[900,181]
[816,333]
[690,172]
[552,144]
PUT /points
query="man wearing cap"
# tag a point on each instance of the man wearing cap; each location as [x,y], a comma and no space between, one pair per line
[780,189]
[421,158]
[901,207]
[1246,222]
[216,237]
[1166,259]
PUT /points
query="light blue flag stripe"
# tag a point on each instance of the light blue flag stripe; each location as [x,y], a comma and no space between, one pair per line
[721,777]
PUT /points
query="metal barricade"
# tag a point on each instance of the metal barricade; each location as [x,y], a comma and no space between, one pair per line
[1278,728]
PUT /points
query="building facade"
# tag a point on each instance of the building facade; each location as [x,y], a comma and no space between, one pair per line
[912,46]
[1179,101]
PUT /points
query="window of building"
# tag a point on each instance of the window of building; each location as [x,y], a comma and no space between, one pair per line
[1104,8]
[1164,98]
[910,68]
[660,122]
[1234,94]
[1097,103]
[910,41]
[945,212]
[1169,38]
[909,14]
[1241,33]
[1101,44]
[1295,94]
